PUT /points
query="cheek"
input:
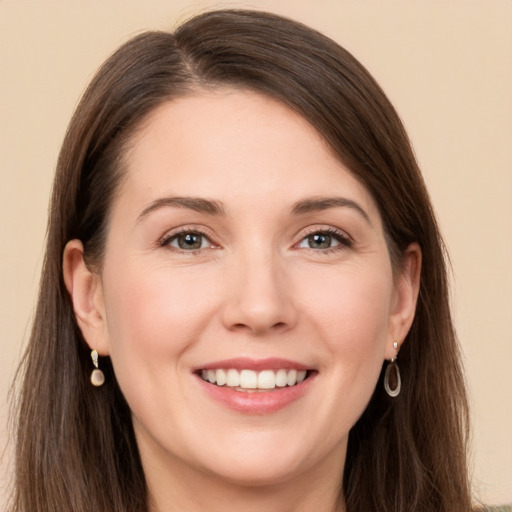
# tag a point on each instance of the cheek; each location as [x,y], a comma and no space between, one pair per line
[154,314]
[350,313]
[353,305]
[347,318]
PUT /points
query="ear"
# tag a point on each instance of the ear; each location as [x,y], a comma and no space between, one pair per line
[86,292]
[407,286]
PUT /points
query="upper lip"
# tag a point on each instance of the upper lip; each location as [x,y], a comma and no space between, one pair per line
[247,363]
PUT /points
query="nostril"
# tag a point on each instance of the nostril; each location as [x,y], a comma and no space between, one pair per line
[239,327]
[259,328]
[257,313]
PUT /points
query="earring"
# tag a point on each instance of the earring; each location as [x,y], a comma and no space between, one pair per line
[397,380]
[97,376]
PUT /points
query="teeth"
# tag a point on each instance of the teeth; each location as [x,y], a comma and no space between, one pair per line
[291,377]
[249,379]
[281,378]
[221,377]
[266,379]
[233,379]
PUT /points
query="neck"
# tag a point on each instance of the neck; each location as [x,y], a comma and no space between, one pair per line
[204,492]
[174,487]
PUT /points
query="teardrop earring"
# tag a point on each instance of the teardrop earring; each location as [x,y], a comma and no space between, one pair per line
[395,391]
[97,376]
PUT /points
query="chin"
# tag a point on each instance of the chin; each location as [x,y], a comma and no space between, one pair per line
[269,461]
[269,472]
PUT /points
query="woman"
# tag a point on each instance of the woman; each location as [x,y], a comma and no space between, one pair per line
[244,300]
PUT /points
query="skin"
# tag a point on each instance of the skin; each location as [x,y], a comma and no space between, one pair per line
[257,287]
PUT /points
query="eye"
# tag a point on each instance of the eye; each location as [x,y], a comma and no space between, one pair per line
[187,241]
[324,240]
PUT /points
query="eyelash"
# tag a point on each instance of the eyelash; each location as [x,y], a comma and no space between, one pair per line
[345,242]
[168,238]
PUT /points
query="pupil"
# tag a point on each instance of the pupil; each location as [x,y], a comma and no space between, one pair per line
[319,241]
[190,241]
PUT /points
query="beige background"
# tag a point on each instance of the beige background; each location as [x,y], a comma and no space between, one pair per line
[446,65]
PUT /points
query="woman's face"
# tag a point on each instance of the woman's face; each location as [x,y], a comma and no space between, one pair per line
[239,247]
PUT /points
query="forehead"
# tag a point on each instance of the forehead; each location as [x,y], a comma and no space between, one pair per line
[232,141]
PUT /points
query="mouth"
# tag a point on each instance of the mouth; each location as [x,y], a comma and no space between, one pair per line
[255,386]
[252,381]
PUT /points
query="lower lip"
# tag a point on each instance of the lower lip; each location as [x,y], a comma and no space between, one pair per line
[256,402]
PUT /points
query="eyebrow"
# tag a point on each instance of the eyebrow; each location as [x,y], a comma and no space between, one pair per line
[212,207]
[197,204]
[318,204]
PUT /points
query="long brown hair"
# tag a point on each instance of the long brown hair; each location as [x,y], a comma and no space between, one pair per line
[76,449]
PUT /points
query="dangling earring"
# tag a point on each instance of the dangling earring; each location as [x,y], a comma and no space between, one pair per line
[393,366]
[97,376]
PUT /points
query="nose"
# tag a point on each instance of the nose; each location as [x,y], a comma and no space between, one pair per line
[260,296]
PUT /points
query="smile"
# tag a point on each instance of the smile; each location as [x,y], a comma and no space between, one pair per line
[247,380]
[255,386]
